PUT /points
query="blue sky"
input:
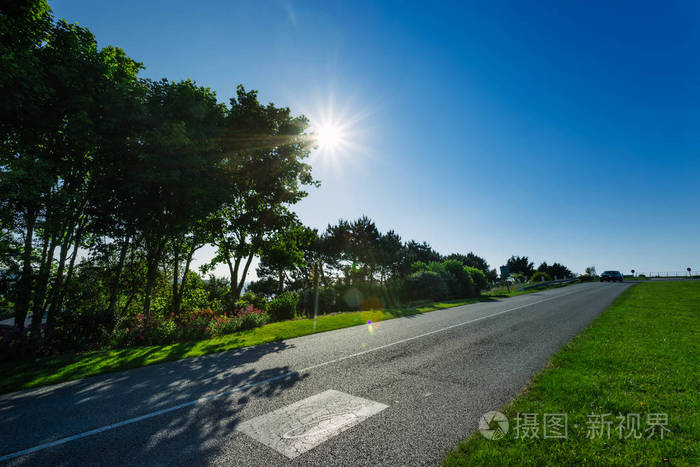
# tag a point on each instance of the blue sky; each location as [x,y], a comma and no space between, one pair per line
[564,131]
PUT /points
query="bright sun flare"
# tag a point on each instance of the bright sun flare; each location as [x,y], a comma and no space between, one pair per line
[329,136]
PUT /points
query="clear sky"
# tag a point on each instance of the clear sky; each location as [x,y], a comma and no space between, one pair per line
[564,131]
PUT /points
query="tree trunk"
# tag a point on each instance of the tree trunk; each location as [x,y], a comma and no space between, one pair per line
[61,284]
[280,289]
[39,302]
[177,300]
[24,284]
[176,276]
[151,271]
[241,283]
[116,280]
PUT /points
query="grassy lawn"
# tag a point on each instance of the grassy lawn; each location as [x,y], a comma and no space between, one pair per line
[641,356]
[66,367]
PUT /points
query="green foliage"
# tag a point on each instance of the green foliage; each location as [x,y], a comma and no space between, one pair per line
[425,285]
[586,278]
[520,265]
[250,298]
[328,301]
[283,307]
[459,281]
[265,286]
[478,278]
[159,330]
[540,276]
[475,261]
[555,270]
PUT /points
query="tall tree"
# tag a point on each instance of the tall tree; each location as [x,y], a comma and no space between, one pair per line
[285,253]
[520,265]
[182,174]
[267,147]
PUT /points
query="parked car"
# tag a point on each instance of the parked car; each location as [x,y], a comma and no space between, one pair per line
[611,276]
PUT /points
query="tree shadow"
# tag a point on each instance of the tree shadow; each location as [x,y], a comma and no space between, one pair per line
[210,391]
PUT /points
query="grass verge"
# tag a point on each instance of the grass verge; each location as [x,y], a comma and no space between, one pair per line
[641,356]
[514,290]
[49,370]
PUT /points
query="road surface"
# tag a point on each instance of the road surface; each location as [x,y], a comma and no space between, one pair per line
[403,391]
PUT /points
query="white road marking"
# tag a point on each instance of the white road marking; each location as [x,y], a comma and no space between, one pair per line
[303,425]
[202,400]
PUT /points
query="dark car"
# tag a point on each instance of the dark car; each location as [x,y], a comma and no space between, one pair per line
[611,276]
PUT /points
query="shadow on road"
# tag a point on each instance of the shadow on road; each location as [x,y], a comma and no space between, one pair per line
[34,417]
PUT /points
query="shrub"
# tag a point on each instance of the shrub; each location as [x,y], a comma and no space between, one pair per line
[251,318]
[478,278]
[452,283]
[586,278]
[259,302]
[537,277]
[418,266]
[461,282]
[283,307]
[222,324]
[425,285]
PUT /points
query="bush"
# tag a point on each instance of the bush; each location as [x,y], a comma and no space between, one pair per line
[537,277]
[425,285]
[191,326]
[258,302]
[478,278]
[462,283]
[252,318]
[283,307]
[586,278]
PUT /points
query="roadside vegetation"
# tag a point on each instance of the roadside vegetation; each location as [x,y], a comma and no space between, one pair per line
[112,184]
[69,366]
[639,358]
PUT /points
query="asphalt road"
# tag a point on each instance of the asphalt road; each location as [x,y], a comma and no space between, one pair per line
[429,377]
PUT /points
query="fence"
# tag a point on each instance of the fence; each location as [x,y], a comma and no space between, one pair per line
[693,272]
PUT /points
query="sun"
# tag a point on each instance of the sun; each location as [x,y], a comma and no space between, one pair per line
[329,136]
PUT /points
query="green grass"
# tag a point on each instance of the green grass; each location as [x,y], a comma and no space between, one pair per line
[514,290]
[641,356]
[49,370]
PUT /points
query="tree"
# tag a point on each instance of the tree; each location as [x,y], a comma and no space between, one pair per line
[49,132]
[475,261]
[414,251]
[520,265]
[181,176]
[555,270]
[266,147]
[390,252]
[285,251]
